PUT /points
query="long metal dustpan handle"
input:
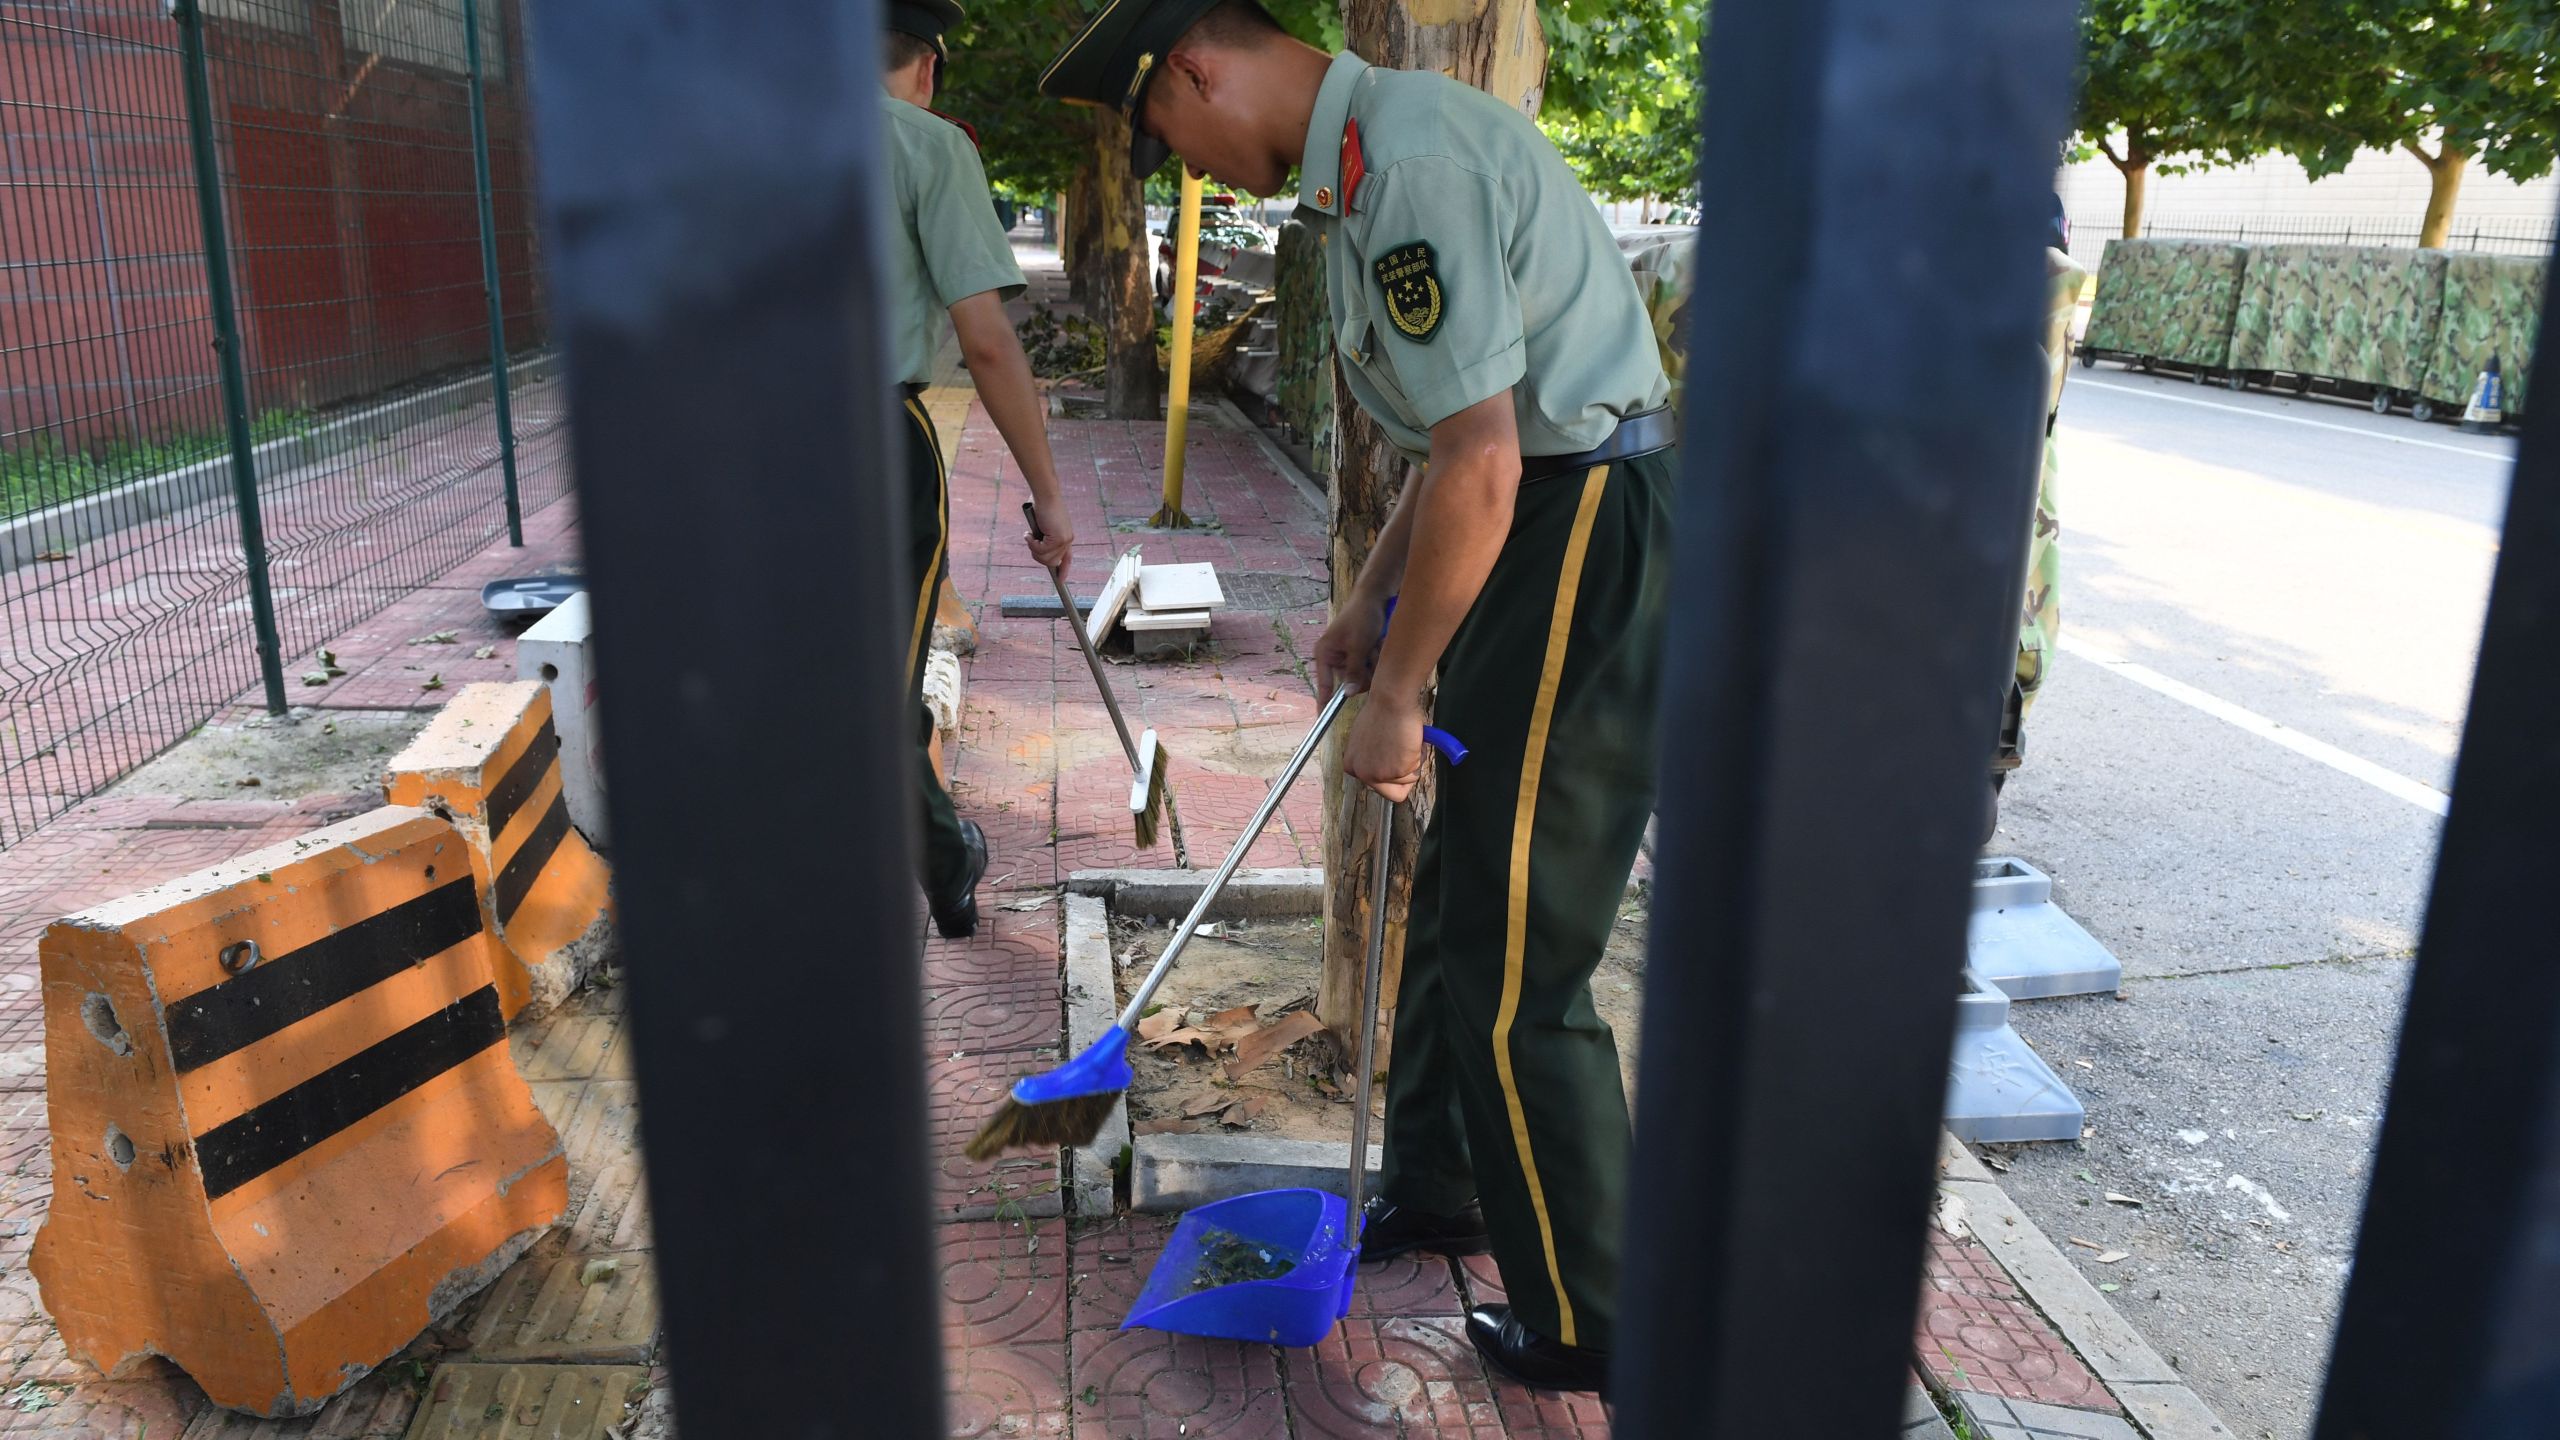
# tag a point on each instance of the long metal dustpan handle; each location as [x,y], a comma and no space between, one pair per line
[1235,857]
[1370,974]
[1084,642]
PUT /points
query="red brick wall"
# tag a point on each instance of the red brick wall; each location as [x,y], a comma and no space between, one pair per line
[349,201]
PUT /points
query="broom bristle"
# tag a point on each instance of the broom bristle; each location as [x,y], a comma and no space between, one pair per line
[1016,1126]
[1145,820]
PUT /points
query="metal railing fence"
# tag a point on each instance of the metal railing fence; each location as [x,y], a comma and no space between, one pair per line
[251,252]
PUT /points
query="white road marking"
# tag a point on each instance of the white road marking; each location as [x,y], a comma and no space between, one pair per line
[2151,394]
[2389,782]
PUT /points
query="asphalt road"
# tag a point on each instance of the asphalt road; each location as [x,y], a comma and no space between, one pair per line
[2268,570]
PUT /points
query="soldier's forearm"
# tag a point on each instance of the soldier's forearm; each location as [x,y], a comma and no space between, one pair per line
[1457,515]
[1005,386]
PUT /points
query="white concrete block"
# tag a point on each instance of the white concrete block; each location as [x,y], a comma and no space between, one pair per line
[558,650]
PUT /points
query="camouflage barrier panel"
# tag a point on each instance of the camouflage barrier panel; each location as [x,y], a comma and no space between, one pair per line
[2040,625]
[2492,306]
[2168,299]
[1661,264]
[1305,389]
[2364,313]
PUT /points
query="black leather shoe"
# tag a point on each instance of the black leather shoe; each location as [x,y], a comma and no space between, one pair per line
[1388,1229]
[1531,1358]
[956,915]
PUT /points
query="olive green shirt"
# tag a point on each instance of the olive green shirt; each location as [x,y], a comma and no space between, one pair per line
[947,245]
[1465,260]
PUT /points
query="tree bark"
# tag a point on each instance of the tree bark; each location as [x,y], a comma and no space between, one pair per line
[1133,382]
[2135,167]
[2444,185]
[1080,237]
[1499,47]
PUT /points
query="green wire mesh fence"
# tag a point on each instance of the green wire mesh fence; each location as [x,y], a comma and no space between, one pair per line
[340,137]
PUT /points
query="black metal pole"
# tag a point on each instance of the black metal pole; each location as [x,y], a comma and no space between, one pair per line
[226,348]
[2451,1326]
[1859,466]
[711,182]
[490,280]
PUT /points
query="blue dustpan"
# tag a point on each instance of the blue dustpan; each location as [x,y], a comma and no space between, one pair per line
[1308,1229]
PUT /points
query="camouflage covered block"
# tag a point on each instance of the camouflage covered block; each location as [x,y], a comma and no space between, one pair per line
[2345,312]
[1305,388]
[1661,265]
[2492,306]
[2168,299]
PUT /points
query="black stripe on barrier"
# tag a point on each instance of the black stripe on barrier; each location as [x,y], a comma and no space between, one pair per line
[254,1142]
[518,785]
[238,1013]
[525,866]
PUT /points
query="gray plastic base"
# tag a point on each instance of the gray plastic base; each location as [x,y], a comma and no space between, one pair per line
[1997,1088]
[2023,943]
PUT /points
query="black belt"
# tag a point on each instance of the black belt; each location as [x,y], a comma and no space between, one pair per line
[1636,435]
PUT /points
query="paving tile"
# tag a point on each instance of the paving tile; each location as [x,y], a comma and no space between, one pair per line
[2010,1419]
[1406,1376]
[1977,1332]
[1004,1282]
[1009,946]
[562,1046]
[1482,1279]
[1549,1415]
[526,1402]
[1414,1283]
[575,1310]
[160,1402]
[1017,1014]
[1007,1391]
[1108,1264]
[608,1193]
[960,1095]
[1150,1385]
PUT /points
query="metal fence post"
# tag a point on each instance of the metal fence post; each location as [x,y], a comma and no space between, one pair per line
[1844,612]
[719,298]
[226,347]
[490,280]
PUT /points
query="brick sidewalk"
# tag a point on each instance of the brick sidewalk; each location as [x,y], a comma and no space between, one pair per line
[1032,1299]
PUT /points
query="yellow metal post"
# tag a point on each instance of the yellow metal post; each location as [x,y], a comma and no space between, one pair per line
[1177,416]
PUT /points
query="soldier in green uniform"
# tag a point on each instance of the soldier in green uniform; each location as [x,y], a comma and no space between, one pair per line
[1484,318]
[948,256]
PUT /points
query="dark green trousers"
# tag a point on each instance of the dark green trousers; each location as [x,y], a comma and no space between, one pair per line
[1504,1084]
[945,854]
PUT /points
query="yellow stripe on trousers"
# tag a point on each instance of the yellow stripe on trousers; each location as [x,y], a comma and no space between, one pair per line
[1524,820]
[941,538]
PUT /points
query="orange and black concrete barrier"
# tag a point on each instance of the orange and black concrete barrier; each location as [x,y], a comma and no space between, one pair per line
[490,763]
[287,1133]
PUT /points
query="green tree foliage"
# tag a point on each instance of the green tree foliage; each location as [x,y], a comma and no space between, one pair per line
[2452,82]
[2146,112]
[1622,94]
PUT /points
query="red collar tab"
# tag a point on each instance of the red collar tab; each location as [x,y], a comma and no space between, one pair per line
[1354,167]
[965,127]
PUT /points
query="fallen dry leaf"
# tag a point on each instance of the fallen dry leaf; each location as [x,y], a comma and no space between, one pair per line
[434,682]
[1238,1117]
[1162,1023]
[1256,1049]
[1162,1127]
[2115,1199]
[441,637]
[1020,907]
[1204,1104]
[54,556]
[2112,1256]
[2085,1244]
[485,652]
[1187,1036]
[1235,1024]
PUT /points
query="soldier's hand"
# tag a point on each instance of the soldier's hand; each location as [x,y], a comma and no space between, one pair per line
[1385,752]
[1349,649]
[1054,546]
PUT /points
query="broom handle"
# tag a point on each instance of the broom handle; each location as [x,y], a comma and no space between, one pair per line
[1369,980]
[1227,868]
[1084,642]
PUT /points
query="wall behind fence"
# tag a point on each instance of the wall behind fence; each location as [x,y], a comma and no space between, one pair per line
[341,135]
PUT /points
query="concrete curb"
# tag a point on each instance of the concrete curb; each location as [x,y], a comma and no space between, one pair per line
[1169,1173]
[1316,494]
[2151,1390]
[1170,894]
[77,522]
[1092,1002]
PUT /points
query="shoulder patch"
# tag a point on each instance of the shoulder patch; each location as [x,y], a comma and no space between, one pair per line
[1410,276]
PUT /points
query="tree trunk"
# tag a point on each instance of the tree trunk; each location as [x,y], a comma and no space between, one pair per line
[2444,186]
[1079,239]
[1133,386]
[1497,46]
[2136,169]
